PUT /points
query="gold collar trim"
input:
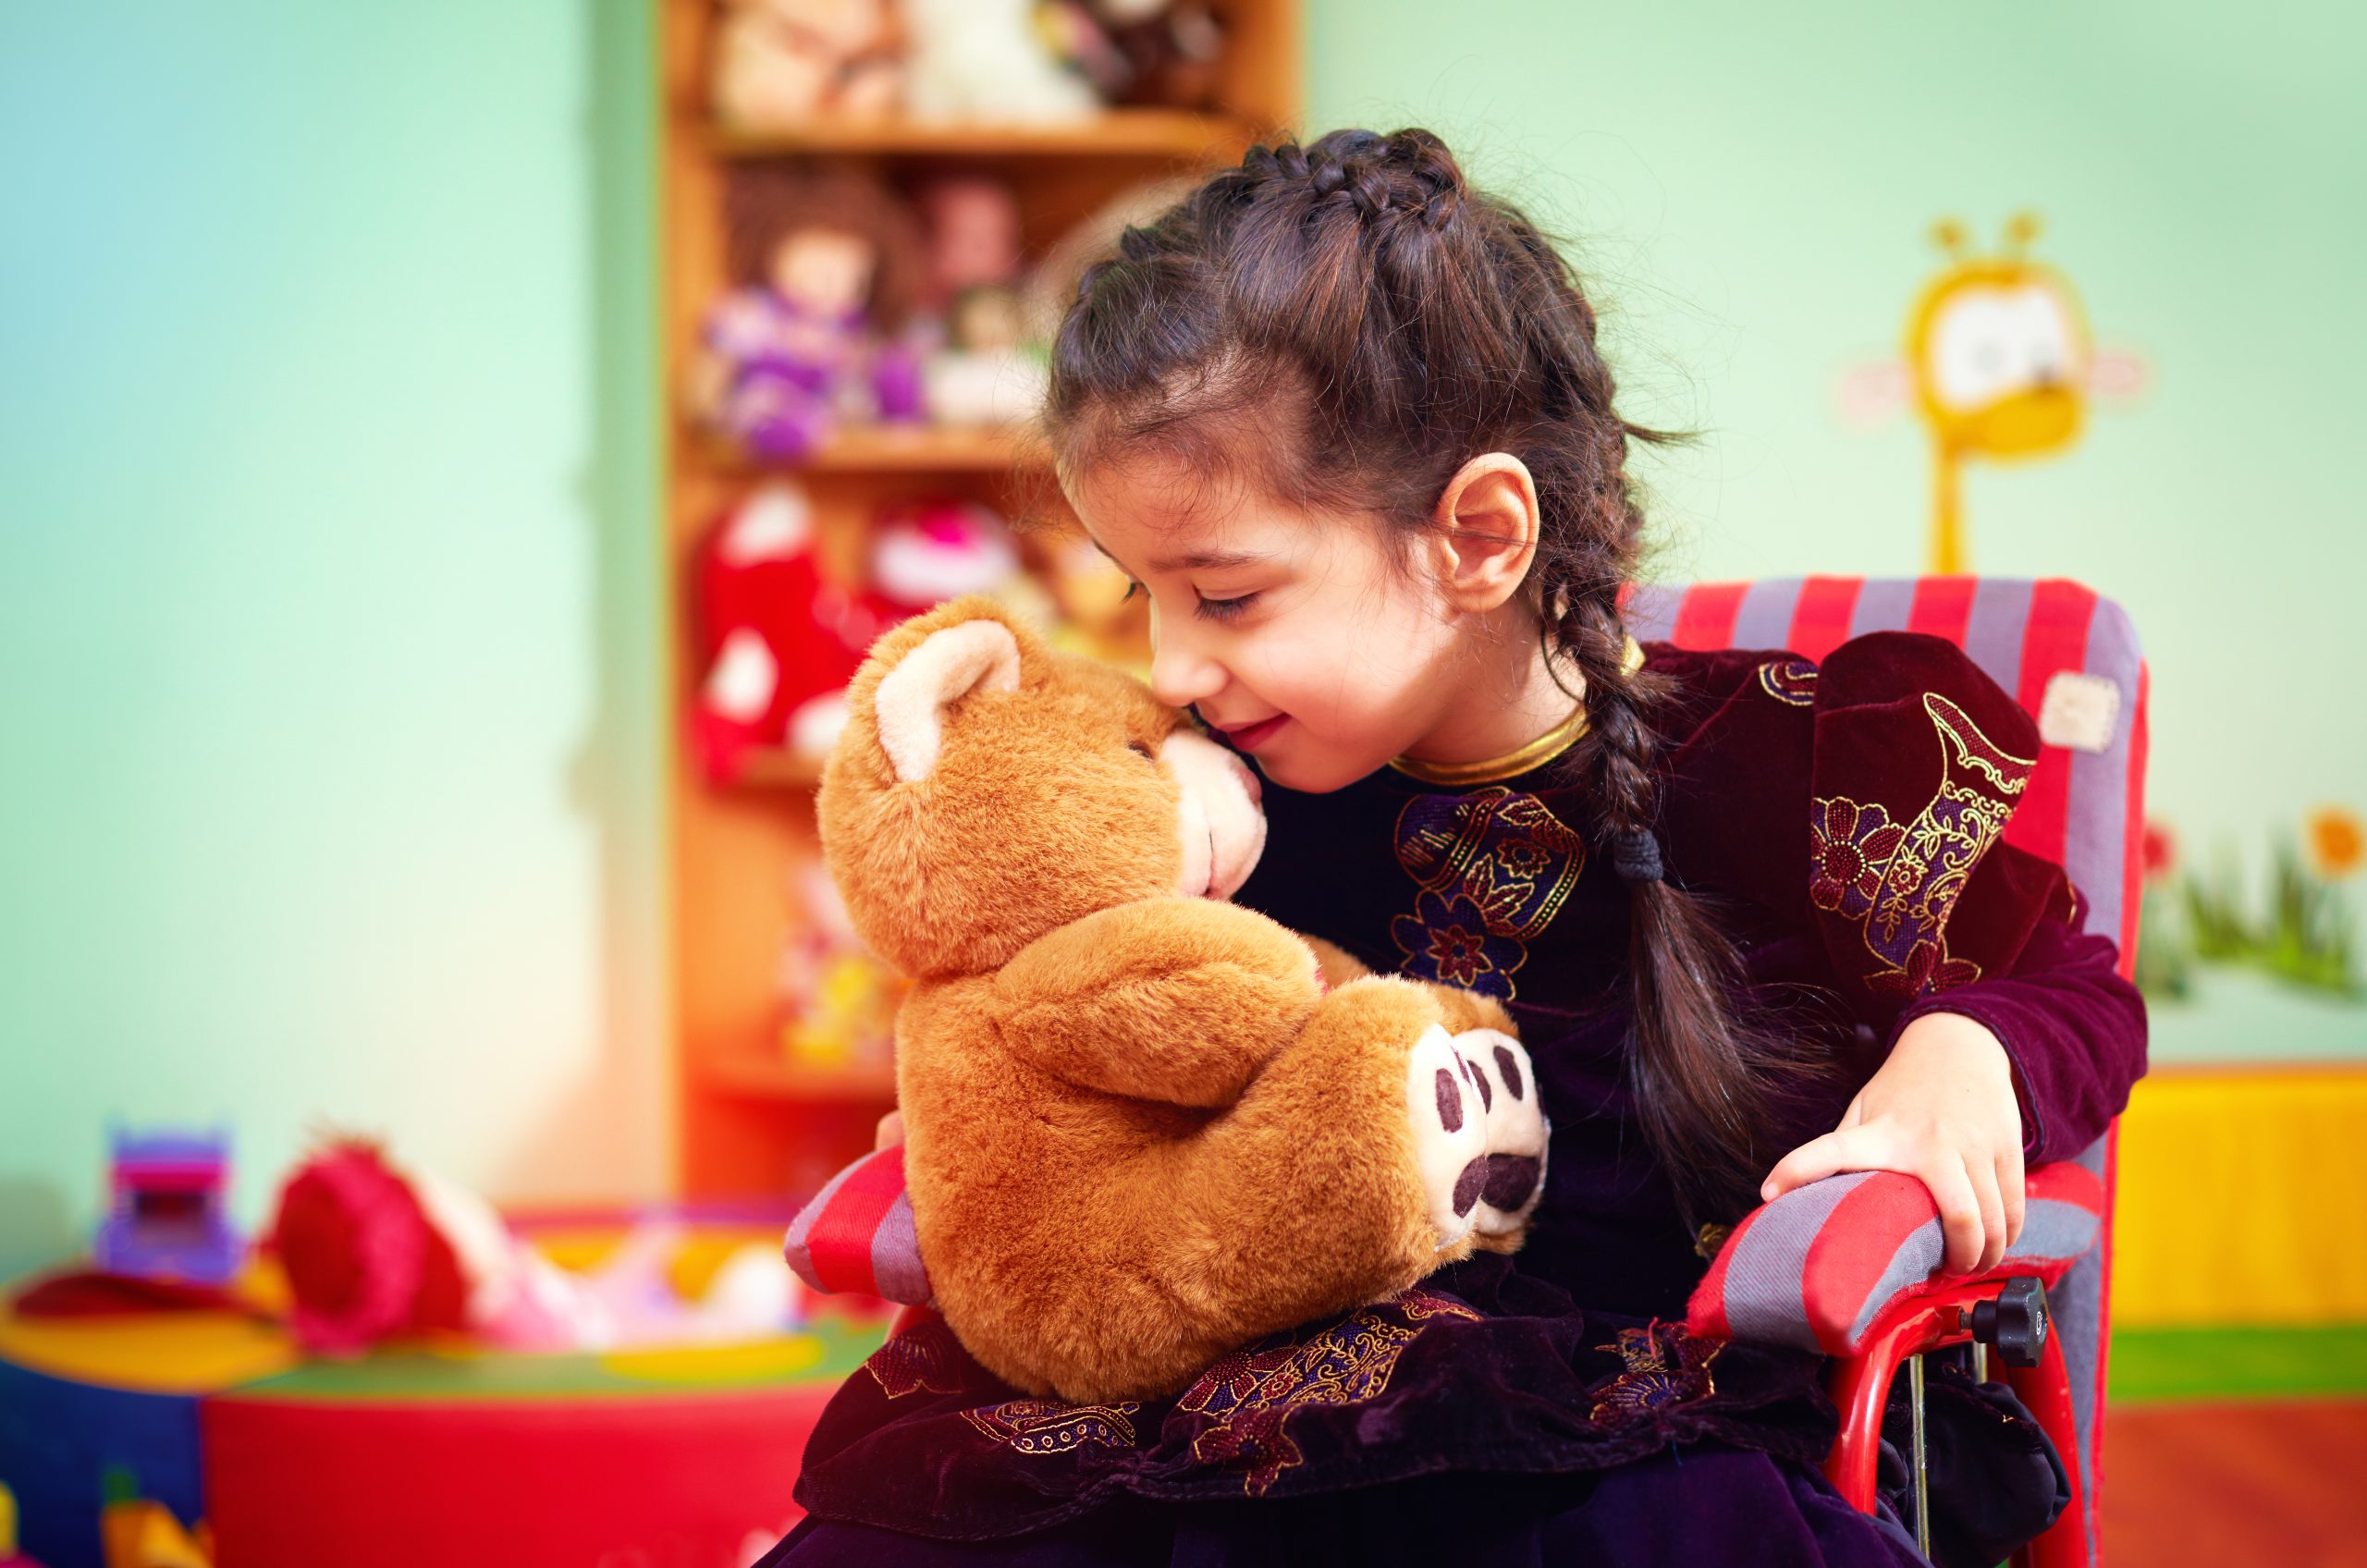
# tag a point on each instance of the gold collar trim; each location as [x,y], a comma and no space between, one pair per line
[1523,759]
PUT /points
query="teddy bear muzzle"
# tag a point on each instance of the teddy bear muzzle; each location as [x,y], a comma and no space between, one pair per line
[1218,817]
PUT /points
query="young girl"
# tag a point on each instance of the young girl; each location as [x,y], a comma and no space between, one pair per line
[1343,420]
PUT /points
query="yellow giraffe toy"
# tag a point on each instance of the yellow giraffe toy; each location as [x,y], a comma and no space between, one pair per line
[2000,365]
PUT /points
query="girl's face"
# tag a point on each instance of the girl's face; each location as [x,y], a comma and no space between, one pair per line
[1304,636]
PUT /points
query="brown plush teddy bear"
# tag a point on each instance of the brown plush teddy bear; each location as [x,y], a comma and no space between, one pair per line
[1140,1129]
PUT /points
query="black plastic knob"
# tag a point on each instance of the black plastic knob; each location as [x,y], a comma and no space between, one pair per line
[2015,1324]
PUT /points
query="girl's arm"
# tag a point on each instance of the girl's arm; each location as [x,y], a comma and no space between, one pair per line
[2012,1035]
[2031,1065]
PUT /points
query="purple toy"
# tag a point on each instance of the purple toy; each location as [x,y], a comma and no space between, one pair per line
[165,1219]
[823,264]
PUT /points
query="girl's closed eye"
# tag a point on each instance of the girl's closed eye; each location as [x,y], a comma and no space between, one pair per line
[1224,609]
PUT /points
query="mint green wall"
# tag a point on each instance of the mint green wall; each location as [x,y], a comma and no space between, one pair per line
[328,707]
[1750,189]
[327,591]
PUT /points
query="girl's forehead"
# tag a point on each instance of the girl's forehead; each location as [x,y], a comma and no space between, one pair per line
[1153,504]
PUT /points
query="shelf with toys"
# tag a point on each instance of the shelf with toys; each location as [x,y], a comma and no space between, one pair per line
[1109,133]
[873,215]
[889,450]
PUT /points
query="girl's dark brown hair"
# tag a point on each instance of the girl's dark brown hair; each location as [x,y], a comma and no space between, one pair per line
[1346,323]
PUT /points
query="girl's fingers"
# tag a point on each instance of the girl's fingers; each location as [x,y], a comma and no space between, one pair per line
[1982,1174]
[1845,1148]
[890,1131]
[1960,1215]
[2010,1184]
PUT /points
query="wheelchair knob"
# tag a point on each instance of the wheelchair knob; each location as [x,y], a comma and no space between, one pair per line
[2015,1322]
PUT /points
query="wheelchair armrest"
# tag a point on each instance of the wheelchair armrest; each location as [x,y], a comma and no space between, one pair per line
[856,1234]
[1815,1269]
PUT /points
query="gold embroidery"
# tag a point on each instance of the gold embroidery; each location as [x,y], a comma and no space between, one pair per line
[1493,867]
[1046,1426]
[1901,882]
[1249,1394]
[920,1358]
[1789,680]
[1667,1365]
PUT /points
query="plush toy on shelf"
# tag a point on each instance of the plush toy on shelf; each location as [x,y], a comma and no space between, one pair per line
[986,373]
[777,635]
[838,1002]
[1155,52]
[781,64]
[765,645]
[975,237]
[822,263]
[939,548]
[987,60]
[980,369]
[1108,1076]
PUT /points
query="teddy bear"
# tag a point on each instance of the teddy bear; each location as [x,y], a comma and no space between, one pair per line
[1144,1126]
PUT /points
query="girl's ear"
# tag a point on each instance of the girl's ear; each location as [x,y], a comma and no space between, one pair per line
[1486,535]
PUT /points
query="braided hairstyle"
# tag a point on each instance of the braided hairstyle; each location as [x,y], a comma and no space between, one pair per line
[1346,323]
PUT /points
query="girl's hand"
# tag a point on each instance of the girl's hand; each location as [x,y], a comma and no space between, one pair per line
[1943,1111]
[891,1131]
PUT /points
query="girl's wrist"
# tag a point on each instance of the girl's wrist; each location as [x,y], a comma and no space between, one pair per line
[1967,1044]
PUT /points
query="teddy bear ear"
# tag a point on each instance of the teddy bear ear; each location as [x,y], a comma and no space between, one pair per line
[974,655]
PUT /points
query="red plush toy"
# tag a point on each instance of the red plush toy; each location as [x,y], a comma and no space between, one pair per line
[778,638]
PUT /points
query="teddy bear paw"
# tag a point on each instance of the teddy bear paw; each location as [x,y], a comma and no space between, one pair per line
[1516,1131]
[1448,1114]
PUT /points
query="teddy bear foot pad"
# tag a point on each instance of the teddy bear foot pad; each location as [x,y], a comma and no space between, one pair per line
[1478,1137]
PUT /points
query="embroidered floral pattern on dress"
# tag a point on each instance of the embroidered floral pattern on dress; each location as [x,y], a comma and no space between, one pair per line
[1789,680]
[1666,1366]
[1850,844]
[1249,1395]
[920,1358]
[1447,939]
[1494,868]
[1042,1426]
[1901,882]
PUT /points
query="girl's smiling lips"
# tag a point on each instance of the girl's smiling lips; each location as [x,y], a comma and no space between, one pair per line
[1248,736]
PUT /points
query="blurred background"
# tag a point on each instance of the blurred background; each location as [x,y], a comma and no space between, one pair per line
[384,754]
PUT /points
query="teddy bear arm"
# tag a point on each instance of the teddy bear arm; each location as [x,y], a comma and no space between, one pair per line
[1338,964]
[1463,1009]
[1180,1000]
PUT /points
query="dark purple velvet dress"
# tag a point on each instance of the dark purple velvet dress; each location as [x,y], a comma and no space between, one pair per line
[1548,1408]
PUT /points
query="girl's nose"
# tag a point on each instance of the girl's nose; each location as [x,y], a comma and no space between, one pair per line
[1179,676]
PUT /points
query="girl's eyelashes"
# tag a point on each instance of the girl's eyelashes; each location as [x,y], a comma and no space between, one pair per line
[1224,609]
[1133,588]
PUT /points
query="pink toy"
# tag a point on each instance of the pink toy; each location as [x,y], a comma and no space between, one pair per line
[166,1216]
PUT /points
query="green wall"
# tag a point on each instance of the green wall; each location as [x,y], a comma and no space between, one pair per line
[328,602]
[327,701]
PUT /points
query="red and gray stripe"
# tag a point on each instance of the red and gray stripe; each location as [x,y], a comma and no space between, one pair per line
[857,1236]
[1814,1268]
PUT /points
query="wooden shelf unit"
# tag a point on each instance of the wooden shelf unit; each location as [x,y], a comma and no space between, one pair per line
[752,1123]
